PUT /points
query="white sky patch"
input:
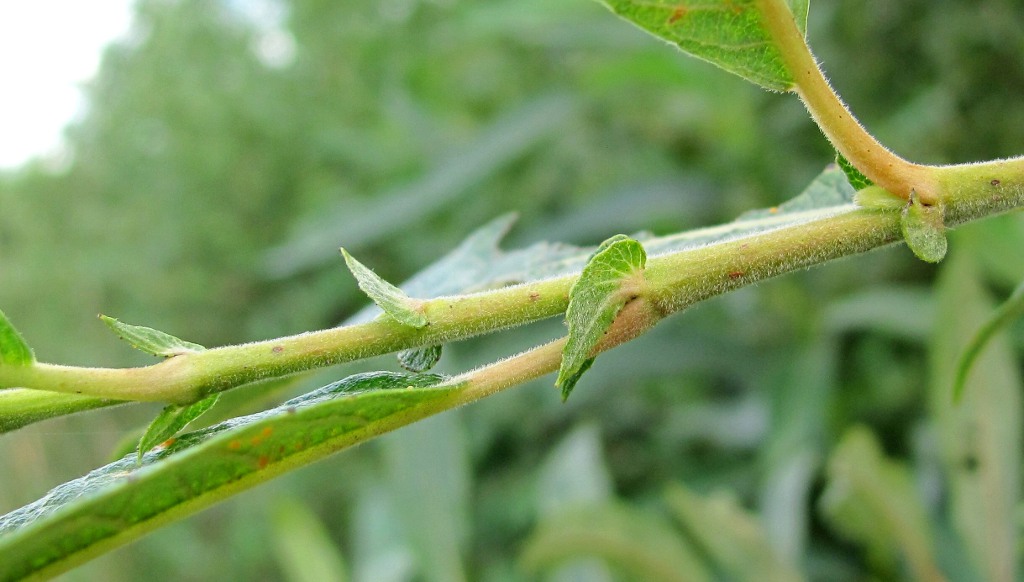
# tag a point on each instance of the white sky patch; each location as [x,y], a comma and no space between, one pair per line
[48,49]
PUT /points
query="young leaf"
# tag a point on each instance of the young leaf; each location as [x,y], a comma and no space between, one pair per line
[13,349]
[391,299]
[419,359]
[117,503]
[873,501]
[727,33]
[1006,313]
[924,230]
[151,341]
[858,180]
[171,420]
[594,301]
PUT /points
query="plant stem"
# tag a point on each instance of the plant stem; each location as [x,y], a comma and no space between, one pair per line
[675,281]
[842,129]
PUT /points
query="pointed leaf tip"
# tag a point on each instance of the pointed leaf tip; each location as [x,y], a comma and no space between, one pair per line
[924,229]
[594,301]
[13,349]
[391,299]
[151,341]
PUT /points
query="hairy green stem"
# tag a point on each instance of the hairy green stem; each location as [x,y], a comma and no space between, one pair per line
[675,281]
[847,135]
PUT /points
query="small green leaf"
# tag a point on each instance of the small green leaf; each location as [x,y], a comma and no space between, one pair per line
[872,500]
[858,180]
[594,301]
[13,349]
[391,299]
[419,359]
[878,198]
[150,340]
[1006,313]
[727,33]
[924,230]
[171,420]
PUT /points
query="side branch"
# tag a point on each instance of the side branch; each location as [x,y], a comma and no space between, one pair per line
[842,129]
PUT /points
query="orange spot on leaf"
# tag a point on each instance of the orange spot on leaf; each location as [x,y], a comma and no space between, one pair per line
[678,14]
[234,445]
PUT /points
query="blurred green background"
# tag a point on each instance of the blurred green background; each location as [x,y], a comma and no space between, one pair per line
[230,147]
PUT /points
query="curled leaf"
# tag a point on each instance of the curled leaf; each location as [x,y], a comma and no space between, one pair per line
[924,229]
[151,341]
[419,359]
[391,299]
[594,301]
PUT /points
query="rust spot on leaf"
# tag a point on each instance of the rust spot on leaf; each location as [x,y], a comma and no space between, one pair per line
[277,349]
[994,182]
[735,274]
[234,445]
[677,14]
[262,461]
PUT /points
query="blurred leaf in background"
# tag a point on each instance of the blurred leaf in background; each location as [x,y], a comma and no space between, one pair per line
[229,149]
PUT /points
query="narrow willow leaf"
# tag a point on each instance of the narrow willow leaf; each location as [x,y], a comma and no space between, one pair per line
[151,341]
[1007,312]
[728,33]
[858,180]
[391,299]
[171,420]
[303,545]
[878,198]
[730,536]
[924,230]
[13,349]
[640,545]
[115,504]
[872,500]
[419,359]
[980,436]
[594,301]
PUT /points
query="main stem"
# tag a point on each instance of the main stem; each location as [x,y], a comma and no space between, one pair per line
[676,280]
[847,135]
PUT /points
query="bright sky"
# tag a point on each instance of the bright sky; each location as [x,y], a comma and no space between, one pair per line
[48,48]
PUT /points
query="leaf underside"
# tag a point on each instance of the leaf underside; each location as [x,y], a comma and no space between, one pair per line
[594,301]
[149,340]
[118,502]
[727,33]
[13,349]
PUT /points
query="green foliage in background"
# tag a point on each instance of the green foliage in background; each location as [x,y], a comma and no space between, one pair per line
[229,150]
